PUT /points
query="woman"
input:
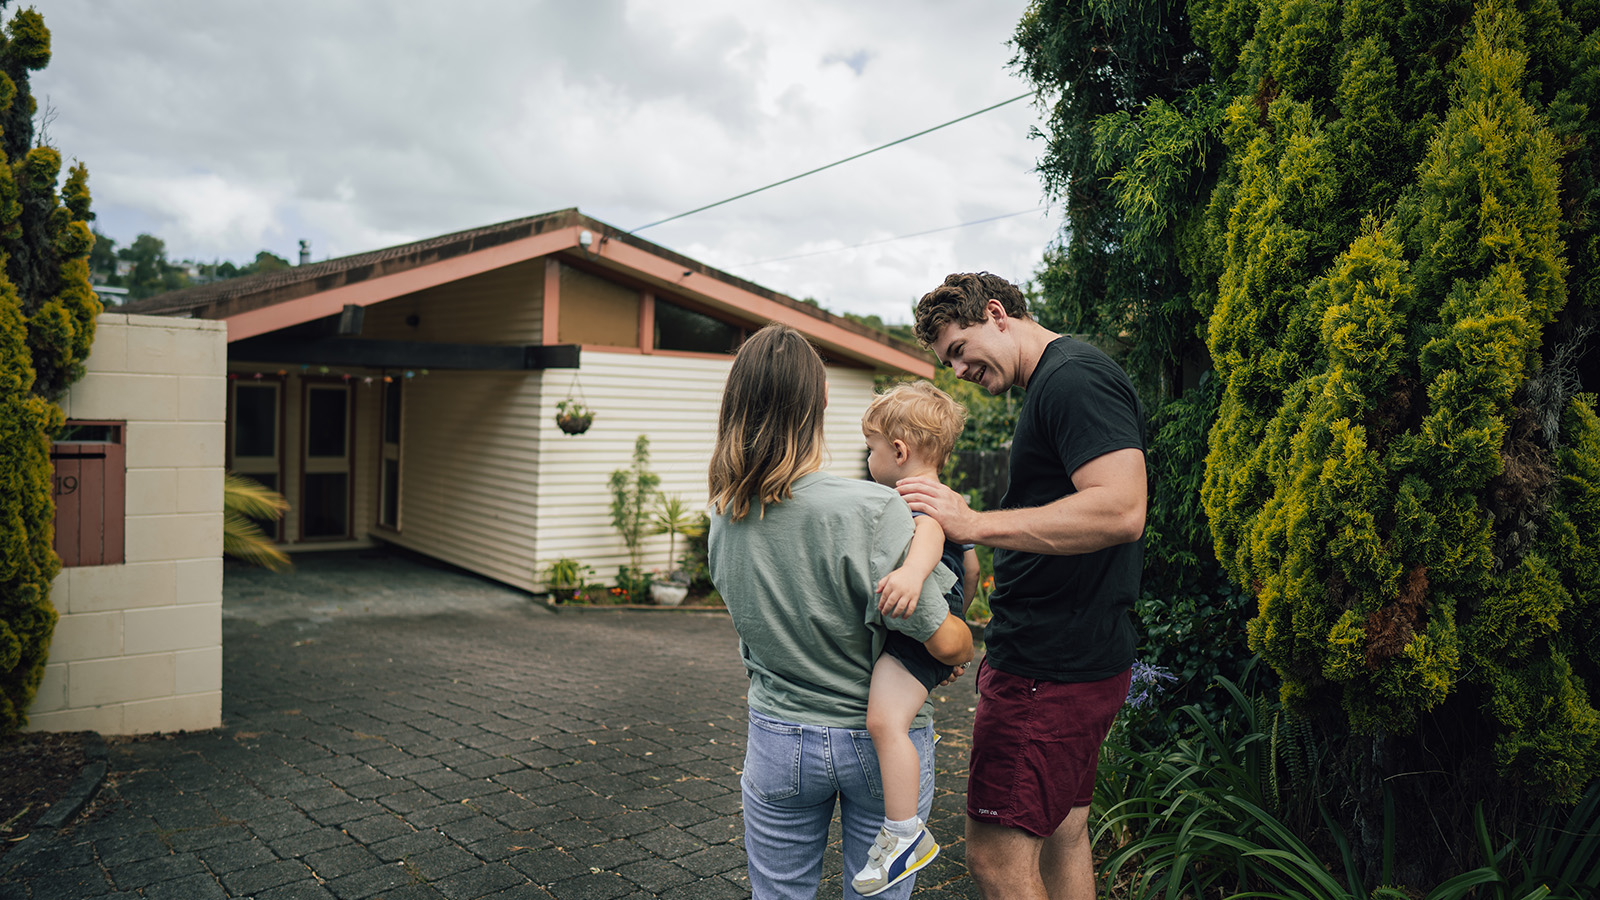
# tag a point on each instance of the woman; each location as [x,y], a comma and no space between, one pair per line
[796,554]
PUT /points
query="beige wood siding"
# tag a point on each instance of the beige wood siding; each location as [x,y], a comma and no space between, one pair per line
[674,400]
[504,306]
[469,471]
[849,394]
[368,402]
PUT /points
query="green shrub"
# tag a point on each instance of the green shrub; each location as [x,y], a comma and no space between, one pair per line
[47,314]
[633,492]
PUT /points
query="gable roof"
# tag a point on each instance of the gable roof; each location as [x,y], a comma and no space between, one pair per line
[269,301]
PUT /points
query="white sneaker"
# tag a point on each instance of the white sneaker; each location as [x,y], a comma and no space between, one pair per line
[892,858]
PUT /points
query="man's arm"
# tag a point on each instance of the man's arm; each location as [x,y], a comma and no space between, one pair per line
[1108,509]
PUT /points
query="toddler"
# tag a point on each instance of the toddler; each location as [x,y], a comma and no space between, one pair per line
[910,430]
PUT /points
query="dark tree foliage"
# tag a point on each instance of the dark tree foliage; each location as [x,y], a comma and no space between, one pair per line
[1379,216]
[1132,154]
[47,312]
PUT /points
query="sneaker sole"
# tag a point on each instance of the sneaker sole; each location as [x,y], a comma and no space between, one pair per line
[912,869]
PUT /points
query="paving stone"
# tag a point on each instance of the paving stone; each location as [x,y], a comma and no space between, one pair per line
[370,882]
[138,845]
[255,879]
[341,861]
[193,887]
[442,862]
[548,866]
[272,817]
[78,881]
[656,874]
[205,838]
[609,856]
[720,889]
[573,834]
[713,860]
[302,890]
[521,892]
[307,842]
[407,845]
[233,857]
[479,881]
[476,828]
[133,876]
[377,828]
[320,798]
[412,892]
[594,886]
[442,813]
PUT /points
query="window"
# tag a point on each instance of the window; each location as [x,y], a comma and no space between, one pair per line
[678,328]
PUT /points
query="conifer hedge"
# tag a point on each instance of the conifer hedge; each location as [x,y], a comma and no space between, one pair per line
[1380,218]
[47,314]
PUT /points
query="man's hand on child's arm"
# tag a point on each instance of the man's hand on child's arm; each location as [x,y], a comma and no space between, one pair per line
[898,592]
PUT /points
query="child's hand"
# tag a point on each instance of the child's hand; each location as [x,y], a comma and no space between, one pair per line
[898,592]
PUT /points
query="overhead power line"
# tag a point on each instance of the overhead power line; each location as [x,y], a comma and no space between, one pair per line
[899,237]
[831,165]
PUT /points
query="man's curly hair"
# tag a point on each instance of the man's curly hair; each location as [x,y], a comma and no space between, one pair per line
[961,299]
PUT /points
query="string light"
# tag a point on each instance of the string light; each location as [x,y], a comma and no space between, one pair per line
[346,377]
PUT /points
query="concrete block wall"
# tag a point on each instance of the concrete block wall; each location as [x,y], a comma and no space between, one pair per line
[138,648]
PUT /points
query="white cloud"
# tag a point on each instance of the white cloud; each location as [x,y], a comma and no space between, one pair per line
[228,128]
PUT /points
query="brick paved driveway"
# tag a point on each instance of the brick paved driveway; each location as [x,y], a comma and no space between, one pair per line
[395,729]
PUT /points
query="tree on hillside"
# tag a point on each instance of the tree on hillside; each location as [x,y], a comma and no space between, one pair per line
[1381,217]
[47,312]
[150,272]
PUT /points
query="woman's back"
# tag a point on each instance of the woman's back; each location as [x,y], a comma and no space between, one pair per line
[799,581]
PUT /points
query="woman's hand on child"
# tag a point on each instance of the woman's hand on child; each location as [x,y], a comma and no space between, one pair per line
[898,592]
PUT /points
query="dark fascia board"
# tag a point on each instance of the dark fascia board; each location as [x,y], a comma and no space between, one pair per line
[404,354]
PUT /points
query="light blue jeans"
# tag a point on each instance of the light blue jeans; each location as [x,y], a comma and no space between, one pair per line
[792,775]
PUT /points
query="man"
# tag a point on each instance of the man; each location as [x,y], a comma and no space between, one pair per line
[1068,554]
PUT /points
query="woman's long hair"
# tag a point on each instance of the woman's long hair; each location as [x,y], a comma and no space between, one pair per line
[770,430]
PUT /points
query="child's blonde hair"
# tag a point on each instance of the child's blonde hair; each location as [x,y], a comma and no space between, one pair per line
[926,418]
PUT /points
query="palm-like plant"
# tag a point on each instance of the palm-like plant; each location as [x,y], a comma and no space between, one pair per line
[244,503]
[673,517]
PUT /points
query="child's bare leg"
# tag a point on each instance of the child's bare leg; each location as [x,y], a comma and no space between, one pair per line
[894,700]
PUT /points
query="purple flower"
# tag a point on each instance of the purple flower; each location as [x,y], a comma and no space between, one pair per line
[1146,683]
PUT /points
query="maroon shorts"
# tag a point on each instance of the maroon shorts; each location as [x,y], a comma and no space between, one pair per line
[1035,747]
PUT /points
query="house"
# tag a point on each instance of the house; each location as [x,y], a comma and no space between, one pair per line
[408,395]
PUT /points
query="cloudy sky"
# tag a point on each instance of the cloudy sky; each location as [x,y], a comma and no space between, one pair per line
[226,127]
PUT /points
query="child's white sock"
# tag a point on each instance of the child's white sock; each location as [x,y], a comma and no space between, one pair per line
[902,827]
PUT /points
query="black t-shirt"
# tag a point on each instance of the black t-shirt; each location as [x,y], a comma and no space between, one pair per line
[1067,618]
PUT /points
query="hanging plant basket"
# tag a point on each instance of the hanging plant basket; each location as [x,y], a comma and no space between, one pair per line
[572,415]
[574,422]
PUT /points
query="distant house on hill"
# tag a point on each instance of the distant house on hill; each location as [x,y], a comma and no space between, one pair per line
[409,394]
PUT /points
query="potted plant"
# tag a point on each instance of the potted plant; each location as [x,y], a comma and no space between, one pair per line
[669,588]
[573,417]
[672,518]
[564,578]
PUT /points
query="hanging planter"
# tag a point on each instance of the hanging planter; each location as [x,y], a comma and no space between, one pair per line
[573,417]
